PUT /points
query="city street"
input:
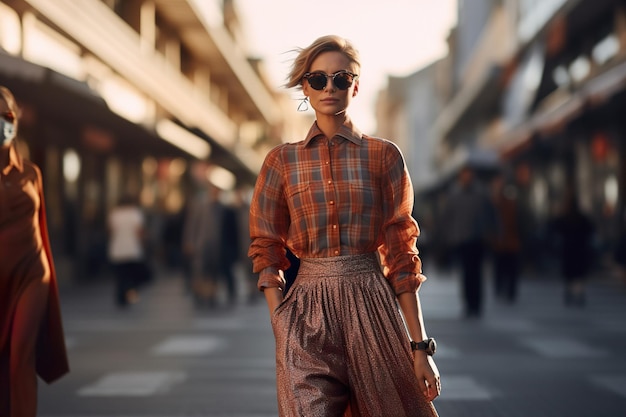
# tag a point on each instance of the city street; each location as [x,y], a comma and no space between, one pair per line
[163,357]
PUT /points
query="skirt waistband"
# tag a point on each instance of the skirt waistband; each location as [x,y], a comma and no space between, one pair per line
[339,265]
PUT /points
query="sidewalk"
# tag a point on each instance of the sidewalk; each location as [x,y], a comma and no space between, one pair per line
[165,358]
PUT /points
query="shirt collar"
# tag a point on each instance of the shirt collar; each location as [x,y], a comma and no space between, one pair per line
[347,131]
[15,160]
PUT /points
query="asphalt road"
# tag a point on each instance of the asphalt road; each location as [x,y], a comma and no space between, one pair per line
[164,357]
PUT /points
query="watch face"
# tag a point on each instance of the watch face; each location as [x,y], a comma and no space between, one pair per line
[432,345]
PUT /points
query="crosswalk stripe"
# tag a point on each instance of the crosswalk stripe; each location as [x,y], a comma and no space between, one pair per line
[462,387]
[511,324]
[561,347]
[188,345]
[133,384]
[614,383]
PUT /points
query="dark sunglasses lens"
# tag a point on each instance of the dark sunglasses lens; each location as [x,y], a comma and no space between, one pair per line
[343,81]
[9,116]
[317,81]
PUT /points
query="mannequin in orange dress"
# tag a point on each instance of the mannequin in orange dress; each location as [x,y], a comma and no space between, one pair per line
[31,333]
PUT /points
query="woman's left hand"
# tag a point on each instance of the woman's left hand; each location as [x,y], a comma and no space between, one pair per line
[427,375]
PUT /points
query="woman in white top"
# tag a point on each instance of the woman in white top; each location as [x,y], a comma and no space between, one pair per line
[126,231]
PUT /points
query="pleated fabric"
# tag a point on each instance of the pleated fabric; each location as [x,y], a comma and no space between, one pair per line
[341,346]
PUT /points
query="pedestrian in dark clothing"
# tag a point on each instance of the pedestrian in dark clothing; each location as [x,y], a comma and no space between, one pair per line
[229,247]
[619,255]
[505,241]
[575,231]
[469,220]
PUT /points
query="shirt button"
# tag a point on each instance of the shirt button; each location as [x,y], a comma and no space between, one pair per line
[329,182]
[331,202]
[327,162]
[334,226]
[336,252]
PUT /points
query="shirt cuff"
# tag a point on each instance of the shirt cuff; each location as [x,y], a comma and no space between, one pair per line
[407,282]
[271,277]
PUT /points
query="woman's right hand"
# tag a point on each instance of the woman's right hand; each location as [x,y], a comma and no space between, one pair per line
[427,375]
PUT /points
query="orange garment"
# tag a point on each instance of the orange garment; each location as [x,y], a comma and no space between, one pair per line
[25,257]
[323,197]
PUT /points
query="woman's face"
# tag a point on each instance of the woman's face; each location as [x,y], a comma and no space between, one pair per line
[330,101]
[8,123]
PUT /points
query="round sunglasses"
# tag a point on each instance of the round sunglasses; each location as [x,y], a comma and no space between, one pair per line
[9,116]
[341,79]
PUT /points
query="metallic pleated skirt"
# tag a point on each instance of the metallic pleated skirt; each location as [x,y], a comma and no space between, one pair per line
[341,346]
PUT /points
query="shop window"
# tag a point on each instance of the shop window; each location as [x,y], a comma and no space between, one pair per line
[580,68]
[561,76]
[611,192]
[606,49]
[71,173]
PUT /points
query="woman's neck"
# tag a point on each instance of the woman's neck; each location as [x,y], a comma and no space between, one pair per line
[330,125]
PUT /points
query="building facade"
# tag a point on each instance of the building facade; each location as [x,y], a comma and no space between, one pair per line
[533,89]
[148,97]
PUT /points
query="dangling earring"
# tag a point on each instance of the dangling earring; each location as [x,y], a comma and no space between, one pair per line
[304,104]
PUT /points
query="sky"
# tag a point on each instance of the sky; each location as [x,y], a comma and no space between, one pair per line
[394,37]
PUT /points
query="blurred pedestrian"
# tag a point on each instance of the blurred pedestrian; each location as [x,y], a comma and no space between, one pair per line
[468,221]
[506,240]
[575,231]
[212,241]
[619,254]
[31,334]
[242,206]
[229,247]
[126,226]
[334,199]
[201,245]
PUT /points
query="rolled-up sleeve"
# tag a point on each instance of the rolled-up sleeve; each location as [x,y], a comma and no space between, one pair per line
[269,223]
[399,254]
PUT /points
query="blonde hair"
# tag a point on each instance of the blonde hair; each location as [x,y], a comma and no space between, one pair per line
[306,56]
[9,98]
[6,94]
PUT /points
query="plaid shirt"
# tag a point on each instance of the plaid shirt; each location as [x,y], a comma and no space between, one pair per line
[348,195]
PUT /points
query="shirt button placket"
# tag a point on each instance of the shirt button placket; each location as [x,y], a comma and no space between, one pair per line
[332,207]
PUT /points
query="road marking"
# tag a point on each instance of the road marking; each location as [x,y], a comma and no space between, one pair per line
[133,384]
[70,342]
[562,348]
[462,387]
[510,325]
[447,352]
[615,383]
[219,324]
[188,345]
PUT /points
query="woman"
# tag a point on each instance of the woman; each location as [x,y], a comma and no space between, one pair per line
[126,225]
[336,200]
[31,334]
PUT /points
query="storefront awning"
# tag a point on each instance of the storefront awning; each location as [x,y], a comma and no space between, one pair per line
[564,107]
[71,105]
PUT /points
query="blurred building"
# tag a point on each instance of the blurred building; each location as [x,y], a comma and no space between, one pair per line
[535,86]
[140,96]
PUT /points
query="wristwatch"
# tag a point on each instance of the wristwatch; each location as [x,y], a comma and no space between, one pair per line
[429,346]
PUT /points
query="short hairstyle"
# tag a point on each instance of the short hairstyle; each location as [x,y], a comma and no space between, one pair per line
[6,94]
[9,98]
[306,56]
